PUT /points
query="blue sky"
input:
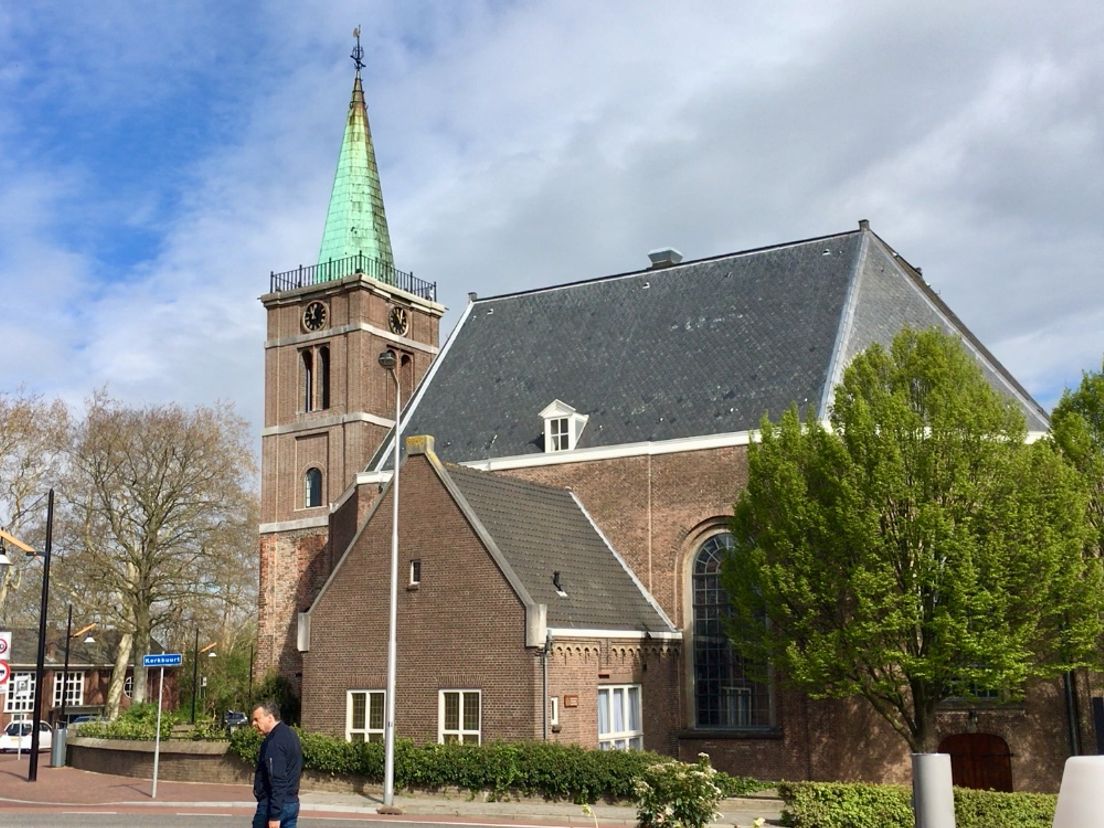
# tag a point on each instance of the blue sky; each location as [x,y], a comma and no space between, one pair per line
[157,161]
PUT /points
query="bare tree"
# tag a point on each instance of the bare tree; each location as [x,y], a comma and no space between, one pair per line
[154,495]
[33,435]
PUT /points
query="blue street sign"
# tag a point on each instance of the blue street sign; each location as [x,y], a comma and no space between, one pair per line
[161,660]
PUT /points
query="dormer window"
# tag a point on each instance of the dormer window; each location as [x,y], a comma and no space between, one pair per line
[563,426]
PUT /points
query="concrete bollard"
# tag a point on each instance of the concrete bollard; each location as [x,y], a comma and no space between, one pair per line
[932,793]
[1079,799]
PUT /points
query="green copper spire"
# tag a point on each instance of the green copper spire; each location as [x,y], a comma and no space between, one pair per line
[356,222]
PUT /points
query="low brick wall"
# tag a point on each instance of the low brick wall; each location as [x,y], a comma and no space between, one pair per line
[188,761]
[180,761]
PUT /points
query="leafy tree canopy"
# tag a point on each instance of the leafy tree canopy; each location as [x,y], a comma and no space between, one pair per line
[919,548]
[1077,426]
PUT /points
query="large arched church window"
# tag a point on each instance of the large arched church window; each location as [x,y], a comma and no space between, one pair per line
[312,485]
[725,694]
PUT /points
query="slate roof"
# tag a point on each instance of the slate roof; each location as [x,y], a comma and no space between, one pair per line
[540,530]
[701,348]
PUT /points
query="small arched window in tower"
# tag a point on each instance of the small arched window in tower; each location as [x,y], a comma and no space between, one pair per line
[406,377]
[312,488]
[324,377]
[307,359]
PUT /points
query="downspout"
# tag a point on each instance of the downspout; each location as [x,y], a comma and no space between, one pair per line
[1072,714]
[544,669]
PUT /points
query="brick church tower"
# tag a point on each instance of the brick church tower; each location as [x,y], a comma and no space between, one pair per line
[328,402]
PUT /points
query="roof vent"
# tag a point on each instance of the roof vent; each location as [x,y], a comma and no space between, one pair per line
[558,584]
[664,257]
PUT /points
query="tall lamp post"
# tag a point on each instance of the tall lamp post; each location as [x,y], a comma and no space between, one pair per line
[388,361]
[40,663]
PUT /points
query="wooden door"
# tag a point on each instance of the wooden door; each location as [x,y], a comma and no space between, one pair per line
[979,760]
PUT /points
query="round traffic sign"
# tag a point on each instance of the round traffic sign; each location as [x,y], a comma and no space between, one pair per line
[5,671]
[3,646]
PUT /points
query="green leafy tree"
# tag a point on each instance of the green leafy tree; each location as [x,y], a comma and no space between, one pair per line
[918,549]
[1077,426]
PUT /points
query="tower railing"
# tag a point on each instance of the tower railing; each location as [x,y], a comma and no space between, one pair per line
[335,269]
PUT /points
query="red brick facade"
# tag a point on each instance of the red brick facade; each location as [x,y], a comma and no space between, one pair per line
[463,627]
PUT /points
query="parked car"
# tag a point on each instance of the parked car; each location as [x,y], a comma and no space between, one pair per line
[84,719]
[233,719]
[17,737]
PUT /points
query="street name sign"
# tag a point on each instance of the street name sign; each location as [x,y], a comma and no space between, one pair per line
[162,660]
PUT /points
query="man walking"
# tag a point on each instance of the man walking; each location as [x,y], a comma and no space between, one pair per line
[279,765]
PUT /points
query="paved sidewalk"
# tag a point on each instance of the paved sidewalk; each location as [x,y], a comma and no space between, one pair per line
[71,787]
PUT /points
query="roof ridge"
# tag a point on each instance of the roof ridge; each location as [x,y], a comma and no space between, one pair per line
[686,263]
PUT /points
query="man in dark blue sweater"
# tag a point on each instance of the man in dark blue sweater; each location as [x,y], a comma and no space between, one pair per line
[279,765]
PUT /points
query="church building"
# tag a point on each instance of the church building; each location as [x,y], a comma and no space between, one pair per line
[570,459]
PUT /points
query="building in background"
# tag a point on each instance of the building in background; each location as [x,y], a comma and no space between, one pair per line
[565,497]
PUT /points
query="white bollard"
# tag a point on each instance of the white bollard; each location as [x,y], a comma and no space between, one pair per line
[932,793]
[1079,800]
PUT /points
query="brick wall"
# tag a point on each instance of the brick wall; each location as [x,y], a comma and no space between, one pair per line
[461,628]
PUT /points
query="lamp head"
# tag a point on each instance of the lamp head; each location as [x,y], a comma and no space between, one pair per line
[388,360]
[88,639]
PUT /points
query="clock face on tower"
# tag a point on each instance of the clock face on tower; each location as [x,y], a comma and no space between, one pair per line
[314,316]
[398,320]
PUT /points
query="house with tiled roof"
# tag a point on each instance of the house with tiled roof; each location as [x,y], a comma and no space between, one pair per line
[570,458]
[83,668]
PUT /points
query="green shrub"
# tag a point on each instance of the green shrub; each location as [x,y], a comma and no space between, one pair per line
[500,769]
[982,809]
[138,722]
[673,794]
[841,805]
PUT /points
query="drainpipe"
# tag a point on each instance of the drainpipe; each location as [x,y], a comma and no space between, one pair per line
[1072,713]
[544,669]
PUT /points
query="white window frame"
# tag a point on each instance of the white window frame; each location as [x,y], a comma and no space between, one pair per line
[128,685]
[371,699]
[415,572]
[74,696]
[563,426]
[559,432]
[626,737]
[554,711]
[460,733]
[14,704]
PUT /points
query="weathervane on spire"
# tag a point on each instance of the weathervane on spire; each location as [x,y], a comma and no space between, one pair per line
[358,52]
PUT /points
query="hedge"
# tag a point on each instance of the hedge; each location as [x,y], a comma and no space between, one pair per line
[847,805]
[542,769]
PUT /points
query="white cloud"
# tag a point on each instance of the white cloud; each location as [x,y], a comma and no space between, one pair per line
[527,144]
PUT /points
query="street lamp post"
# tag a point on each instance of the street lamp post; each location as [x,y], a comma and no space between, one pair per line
[388,361]
[36,717]
[65,671]
[195,671]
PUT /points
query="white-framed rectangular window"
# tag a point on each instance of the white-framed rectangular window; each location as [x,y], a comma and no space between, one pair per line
[554,710]
[458,716]
[560,433]
[74,689]
[620,723]
[415,572]
[21,693]
[364,715]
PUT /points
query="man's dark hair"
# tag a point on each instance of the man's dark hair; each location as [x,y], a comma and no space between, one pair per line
[269,706]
